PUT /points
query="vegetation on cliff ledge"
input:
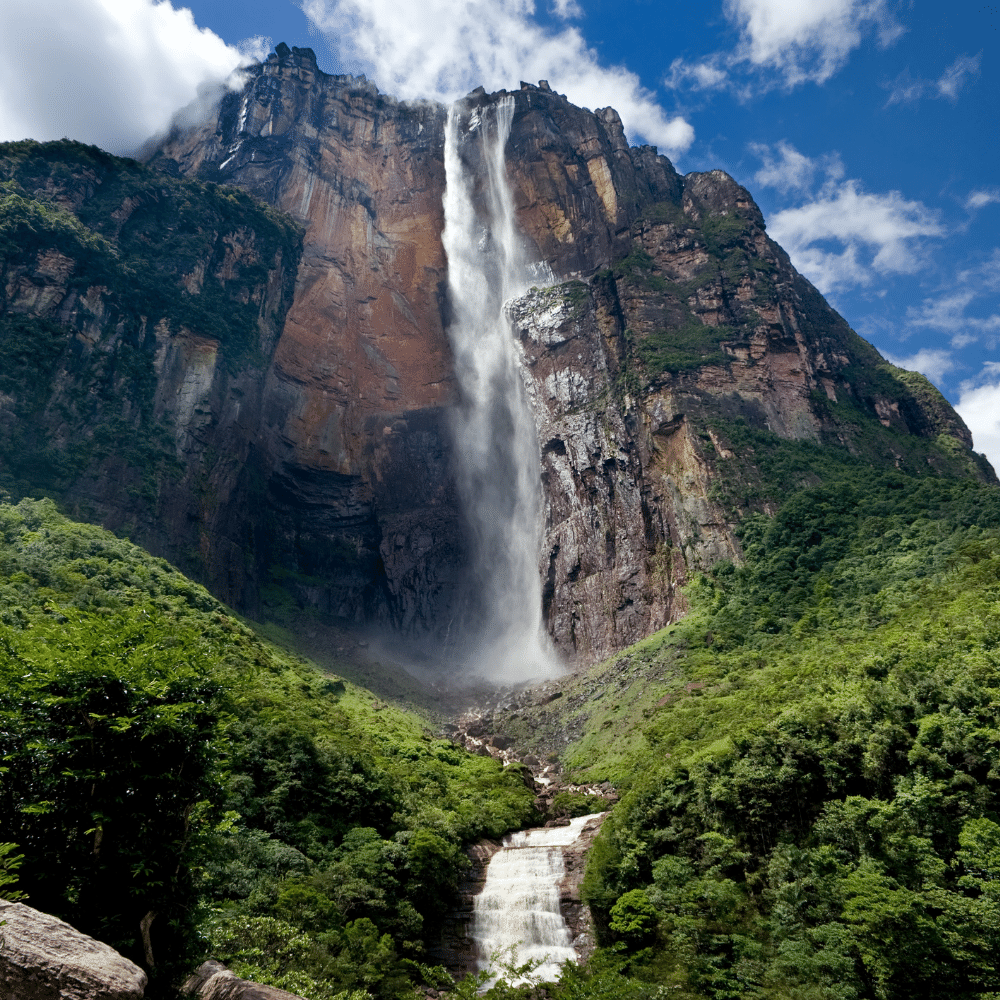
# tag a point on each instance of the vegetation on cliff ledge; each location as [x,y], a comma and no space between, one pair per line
[99,254]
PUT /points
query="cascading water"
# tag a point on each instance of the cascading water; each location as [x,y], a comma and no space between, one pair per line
[519,906]
[498,465]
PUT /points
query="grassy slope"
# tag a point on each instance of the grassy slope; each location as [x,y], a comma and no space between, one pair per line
[811,760]
[153,742]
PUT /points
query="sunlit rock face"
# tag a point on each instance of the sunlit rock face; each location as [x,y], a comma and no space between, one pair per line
[355,414]
[681,319]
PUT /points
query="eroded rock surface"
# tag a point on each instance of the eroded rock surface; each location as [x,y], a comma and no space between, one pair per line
[575,912]
[213,981]
[307,452]
[644,383]
[455,949]
[43,958]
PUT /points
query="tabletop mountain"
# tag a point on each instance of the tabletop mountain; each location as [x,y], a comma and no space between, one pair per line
[238,355]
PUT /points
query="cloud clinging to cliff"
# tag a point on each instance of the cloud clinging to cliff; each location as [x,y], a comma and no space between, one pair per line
[442,49]
[108,72]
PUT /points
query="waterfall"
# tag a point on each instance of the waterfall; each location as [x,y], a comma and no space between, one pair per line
[497,459]
[519,905]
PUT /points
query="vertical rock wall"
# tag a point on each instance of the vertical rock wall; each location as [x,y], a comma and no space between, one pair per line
[355,425]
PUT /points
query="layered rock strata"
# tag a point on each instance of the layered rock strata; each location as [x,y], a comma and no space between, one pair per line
[700,310]
[306,450]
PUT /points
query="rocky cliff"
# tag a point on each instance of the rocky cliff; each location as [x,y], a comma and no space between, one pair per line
[137,317]
[681,372]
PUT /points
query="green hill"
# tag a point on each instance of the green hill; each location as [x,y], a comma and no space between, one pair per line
[177,784]
[810,761]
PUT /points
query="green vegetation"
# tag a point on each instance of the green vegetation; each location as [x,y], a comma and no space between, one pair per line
[138,234]
[574,294]
[764,468]
[684,348]
[810,760]
[175,784]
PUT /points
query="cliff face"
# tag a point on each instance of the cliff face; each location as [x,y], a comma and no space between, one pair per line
[359,390]
[675,364]
[137,315]
[696,380]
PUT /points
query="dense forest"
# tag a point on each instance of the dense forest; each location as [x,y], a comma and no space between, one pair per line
[177,786]
[811,758]
[809,767]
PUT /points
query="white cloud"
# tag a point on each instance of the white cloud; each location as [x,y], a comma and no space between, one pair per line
[710,74]
[906,87]
[845,236]
[786,169]
[789,170]
[949,310]
[567,9]
[442,49]
[932,362]
[954,77]
[804,41]
[979,406]
[108,72]
[800,42]
[982,198]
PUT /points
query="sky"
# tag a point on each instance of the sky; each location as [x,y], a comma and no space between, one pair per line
[866,130]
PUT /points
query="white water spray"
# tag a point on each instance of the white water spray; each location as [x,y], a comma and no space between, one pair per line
[498,463]
[519,906]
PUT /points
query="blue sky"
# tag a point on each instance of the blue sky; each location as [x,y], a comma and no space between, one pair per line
[865,129]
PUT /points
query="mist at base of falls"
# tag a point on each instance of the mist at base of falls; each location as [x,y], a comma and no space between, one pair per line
[496,449]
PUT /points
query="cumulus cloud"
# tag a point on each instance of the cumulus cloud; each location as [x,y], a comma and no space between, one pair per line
[108,72]
[806,41]
[982,198]
[979,406]
[796,42]
[932,362]
[785,168]
[846,236]
[567,9]
[442,49]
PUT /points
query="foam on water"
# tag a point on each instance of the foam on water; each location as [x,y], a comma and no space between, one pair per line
[518,909]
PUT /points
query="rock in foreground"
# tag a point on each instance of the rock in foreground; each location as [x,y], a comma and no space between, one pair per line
[43,958]
[213,981]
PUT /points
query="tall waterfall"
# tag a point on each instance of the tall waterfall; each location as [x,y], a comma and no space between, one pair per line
[498,463]
[519,905]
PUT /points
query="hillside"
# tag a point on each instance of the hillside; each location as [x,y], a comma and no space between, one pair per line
[162,759]
[808,760]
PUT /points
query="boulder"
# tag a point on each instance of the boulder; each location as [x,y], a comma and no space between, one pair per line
[213,981]
[43,958]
